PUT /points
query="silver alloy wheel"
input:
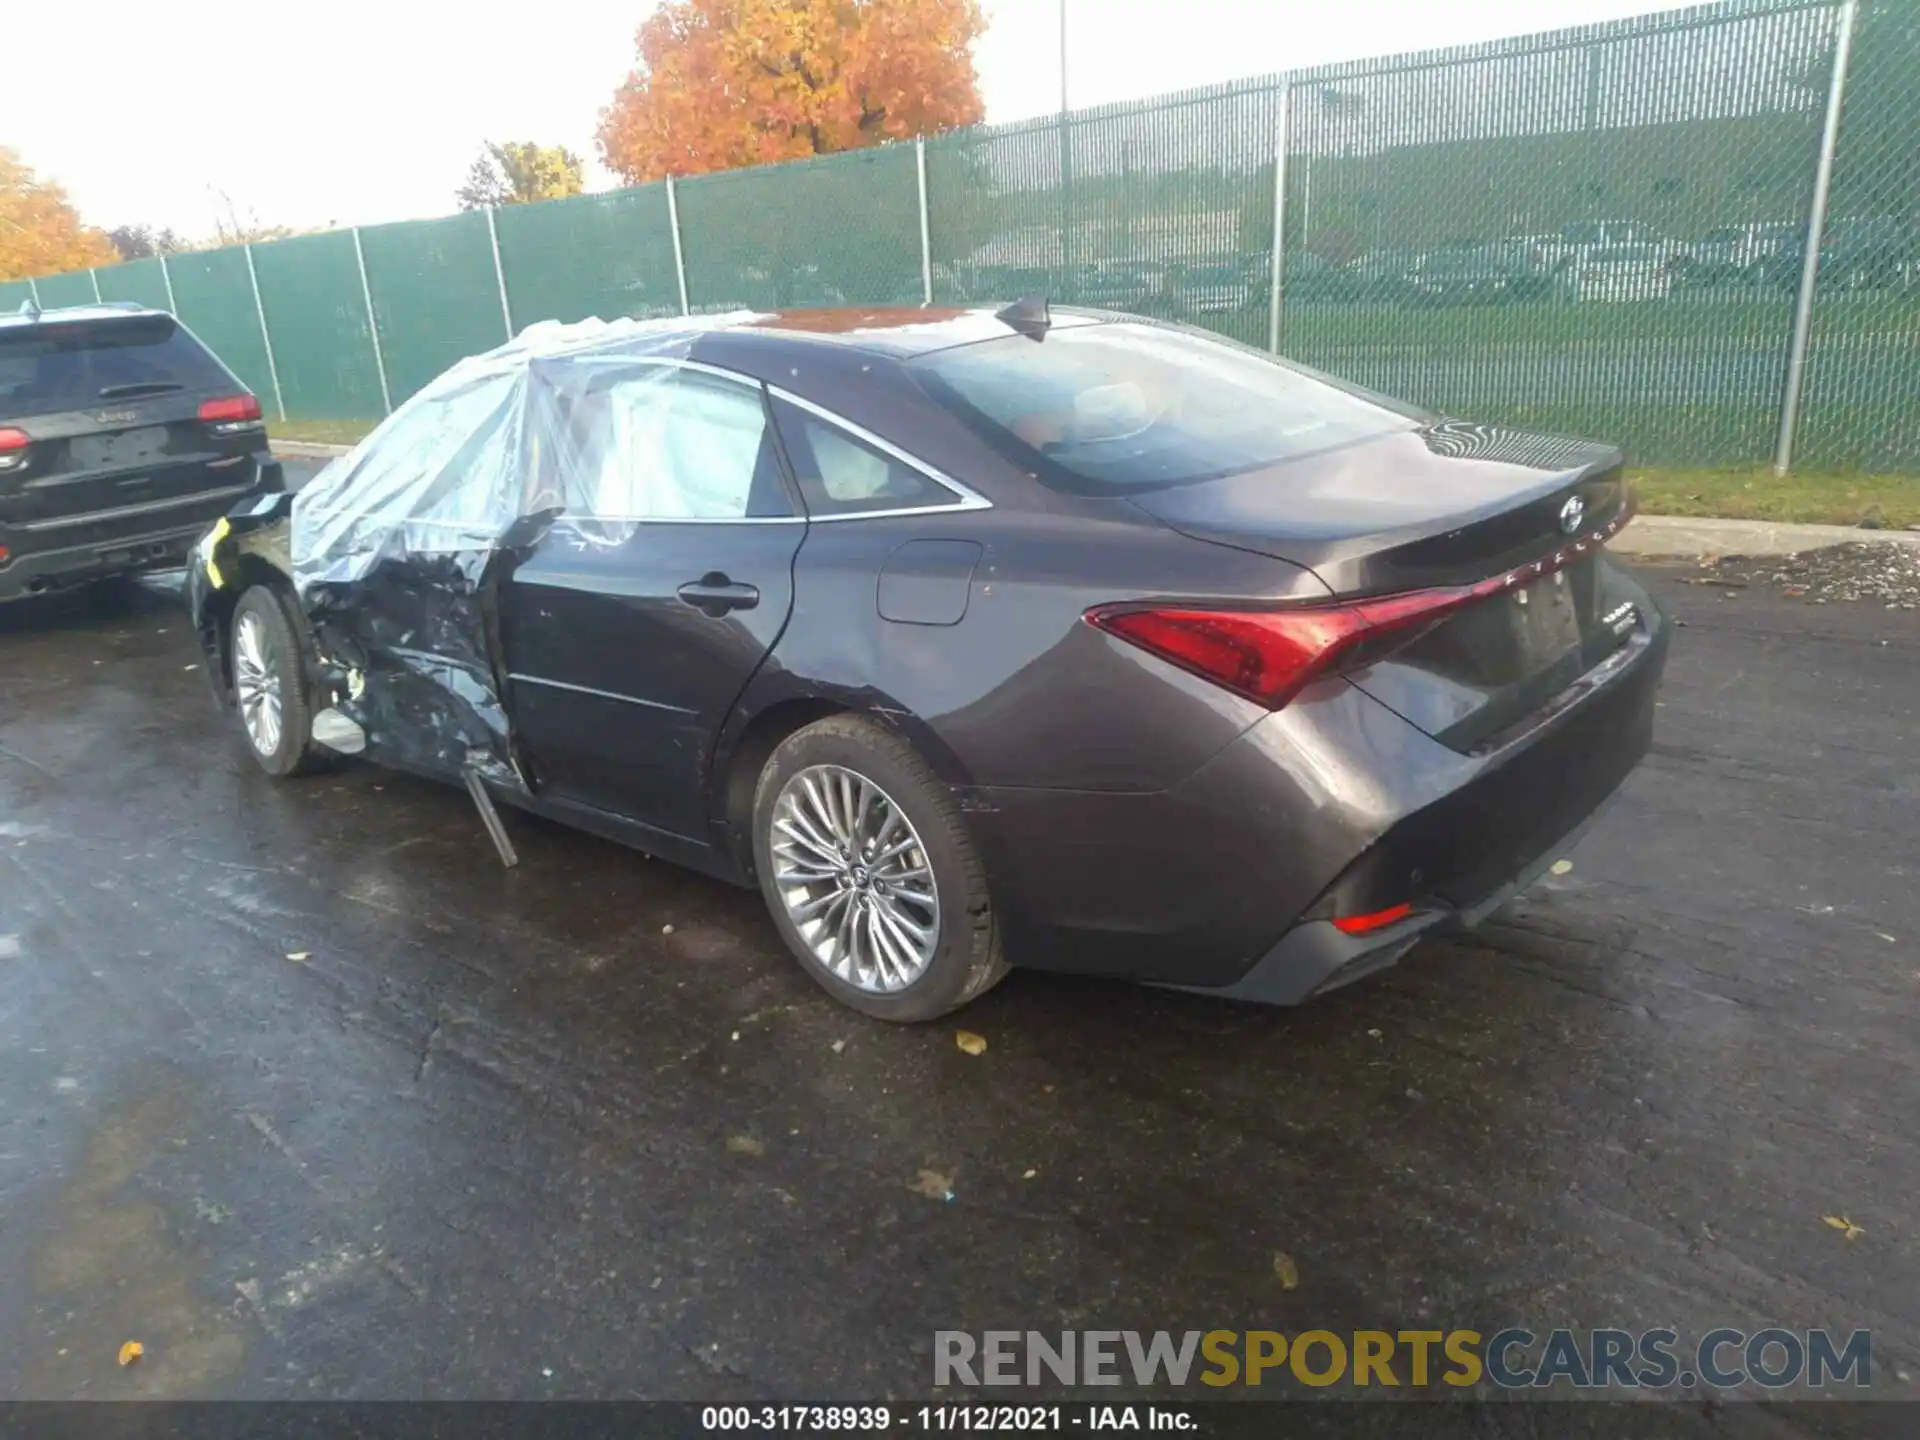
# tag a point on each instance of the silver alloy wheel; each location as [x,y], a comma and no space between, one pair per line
[256,682]
[855,879]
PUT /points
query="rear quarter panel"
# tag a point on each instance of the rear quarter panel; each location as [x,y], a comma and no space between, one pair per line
[1019,691]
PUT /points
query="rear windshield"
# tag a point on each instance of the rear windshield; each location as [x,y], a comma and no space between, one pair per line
[51,367]
[1100,409]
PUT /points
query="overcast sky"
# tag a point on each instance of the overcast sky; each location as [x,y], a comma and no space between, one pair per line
[359,111]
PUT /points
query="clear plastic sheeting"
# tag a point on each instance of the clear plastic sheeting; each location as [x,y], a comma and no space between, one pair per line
[557,420]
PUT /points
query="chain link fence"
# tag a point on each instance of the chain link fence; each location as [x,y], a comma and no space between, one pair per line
[1601,231]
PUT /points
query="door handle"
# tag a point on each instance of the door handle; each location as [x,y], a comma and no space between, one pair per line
[714,594]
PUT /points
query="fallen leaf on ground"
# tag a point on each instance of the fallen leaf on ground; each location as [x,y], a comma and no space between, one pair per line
[745,1145]
[1562,867]
[298,956]
[971,1043]
[838,1046]
[1030,1174]
[1845,1226]
[1285,1271]
[131,1351]
[933,1185]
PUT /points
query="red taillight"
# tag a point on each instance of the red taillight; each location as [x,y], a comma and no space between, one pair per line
[234,409]
[1378,920]
[1268,655]
[13,448]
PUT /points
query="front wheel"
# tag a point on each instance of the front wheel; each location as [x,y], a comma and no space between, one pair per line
[269,684]
[871,877]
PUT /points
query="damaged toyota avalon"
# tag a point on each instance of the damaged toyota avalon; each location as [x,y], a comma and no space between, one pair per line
[971,638]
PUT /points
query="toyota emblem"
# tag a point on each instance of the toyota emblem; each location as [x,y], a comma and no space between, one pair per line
[1572,513]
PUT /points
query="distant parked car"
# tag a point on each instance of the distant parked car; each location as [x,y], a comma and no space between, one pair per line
[1619,273]
[1216,288]
[1479,275]
[969,637]
[1386,276]
[1869,253]
[1758,253]
[1136,285]
[122,437]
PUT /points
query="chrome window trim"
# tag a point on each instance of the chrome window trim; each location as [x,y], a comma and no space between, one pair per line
[965,498]
[568,517]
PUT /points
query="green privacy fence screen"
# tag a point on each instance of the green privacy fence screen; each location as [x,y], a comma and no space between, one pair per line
[1603,231]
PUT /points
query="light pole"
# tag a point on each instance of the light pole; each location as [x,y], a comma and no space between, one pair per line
[1063,57]
[1066,166]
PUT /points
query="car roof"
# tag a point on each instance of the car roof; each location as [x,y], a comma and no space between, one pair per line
[901,331]
[68,314]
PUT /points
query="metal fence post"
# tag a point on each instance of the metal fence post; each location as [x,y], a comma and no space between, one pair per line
[266,336]
[373,323]
[499,274]
[1816,233]
[166,279]
[94,276]
[679,255]
[1276,282]
[926,225]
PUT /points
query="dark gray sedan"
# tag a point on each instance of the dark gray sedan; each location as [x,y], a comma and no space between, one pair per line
[971,637]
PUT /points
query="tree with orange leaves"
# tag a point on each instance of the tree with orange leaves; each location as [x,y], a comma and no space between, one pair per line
[40,232]
[726,83]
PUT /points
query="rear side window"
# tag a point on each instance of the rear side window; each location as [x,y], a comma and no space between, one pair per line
[1104,409]
[840,474]
[49,368]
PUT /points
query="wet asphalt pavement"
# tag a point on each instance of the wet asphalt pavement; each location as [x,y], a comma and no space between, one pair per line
[303,1091]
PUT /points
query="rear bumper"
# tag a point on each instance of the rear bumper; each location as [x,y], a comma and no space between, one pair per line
[55,552]
[44,571]
[1315,956]
[1333,806]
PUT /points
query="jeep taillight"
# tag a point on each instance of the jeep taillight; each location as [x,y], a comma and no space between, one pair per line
[230,414]
[13,449]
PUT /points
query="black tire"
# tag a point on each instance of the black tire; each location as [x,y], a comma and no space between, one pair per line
[286,655]
[966,960]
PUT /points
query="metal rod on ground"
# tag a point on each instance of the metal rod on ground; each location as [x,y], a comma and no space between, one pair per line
[926,227]
[373,324]
[266,336]
[490,817]
[94,276]
[166,279]
[1276,282]
[679,255]
[499,274]
[1816,233]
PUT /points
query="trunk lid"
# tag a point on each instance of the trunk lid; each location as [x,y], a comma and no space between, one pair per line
[1445,505]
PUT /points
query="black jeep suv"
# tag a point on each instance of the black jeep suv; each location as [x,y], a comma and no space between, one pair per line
[121,439]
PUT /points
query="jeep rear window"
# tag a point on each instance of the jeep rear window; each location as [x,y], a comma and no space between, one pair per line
[51,367]
[1107,409]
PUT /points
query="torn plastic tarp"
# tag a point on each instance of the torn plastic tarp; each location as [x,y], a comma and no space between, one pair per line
[499,437]
[398,547]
